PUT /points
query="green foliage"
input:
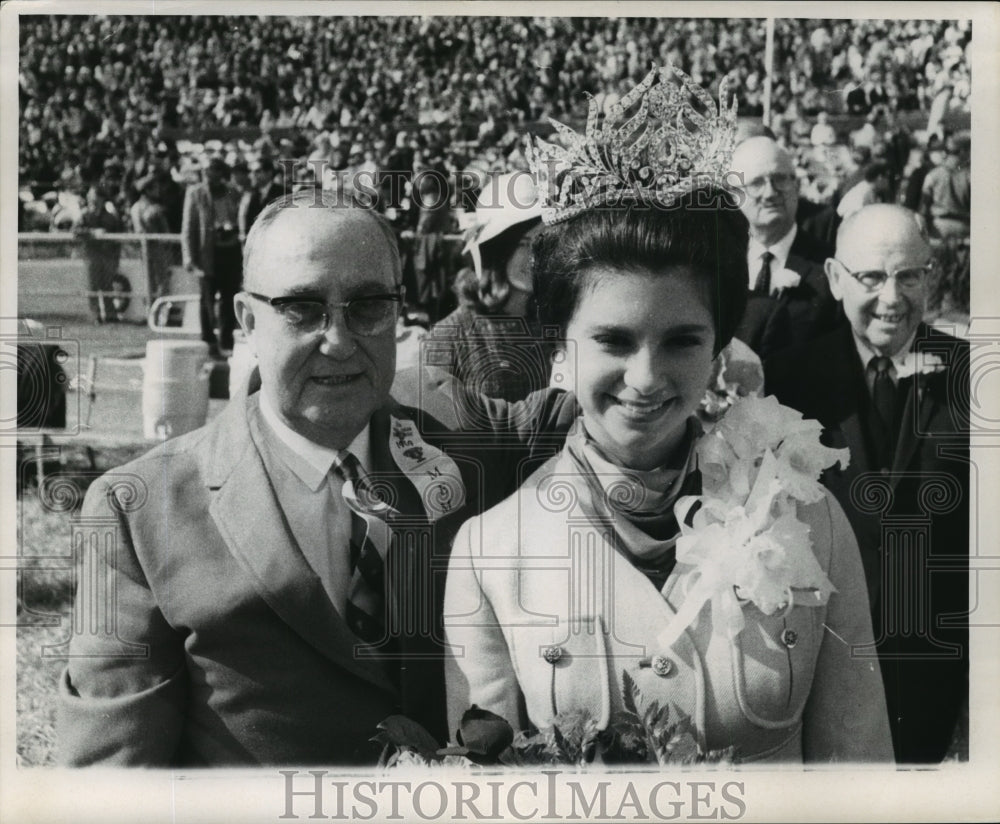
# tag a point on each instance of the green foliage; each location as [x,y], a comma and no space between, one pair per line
[643,732]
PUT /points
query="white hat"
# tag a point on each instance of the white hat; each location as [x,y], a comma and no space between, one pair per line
[505,201]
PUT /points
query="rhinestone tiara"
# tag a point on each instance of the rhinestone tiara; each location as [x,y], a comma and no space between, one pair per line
[662,139]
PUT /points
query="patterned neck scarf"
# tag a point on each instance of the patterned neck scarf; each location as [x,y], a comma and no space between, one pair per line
[639,504]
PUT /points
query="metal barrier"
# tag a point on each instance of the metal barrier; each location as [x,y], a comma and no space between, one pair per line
[102,275]
[175,315]
[120,276]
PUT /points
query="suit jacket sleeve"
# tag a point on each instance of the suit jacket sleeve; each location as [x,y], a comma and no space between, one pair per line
[123,693]
[534,425]
[845,718]
[478,666]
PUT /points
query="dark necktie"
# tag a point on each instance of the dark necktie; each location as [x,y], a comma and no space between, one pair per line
[762,285]
[884,406]
[365,611]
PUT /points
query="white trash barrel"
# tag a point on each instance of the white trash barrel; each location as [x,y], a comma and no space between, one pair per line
[241,364]
[174,387]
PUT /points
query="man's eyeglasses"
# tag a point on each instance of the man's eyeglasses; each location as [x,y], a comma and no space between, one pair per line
[780,181]
[907,277]
[367,315]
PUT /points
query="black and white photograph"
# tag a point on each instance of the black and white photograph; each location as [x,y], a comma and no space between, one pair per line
[499,411]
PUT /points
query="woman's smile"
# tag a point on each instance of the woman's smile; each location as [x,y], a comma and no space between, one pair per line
[644,343]
[641,411]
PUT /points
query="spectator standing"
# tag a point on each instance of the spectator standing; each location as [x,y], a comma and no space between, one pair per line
[864,98]
[171,192]
[947,191]
[822,134]
[210,246]
[149,217]
[921,165]
[101,256]
[790,299]
[491,342]
[263,189]
[430,252]
[867,135]
[873,188]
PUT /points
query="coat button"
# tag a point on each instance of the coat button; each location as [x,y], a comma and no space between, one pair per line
[552,654]
[789,637]
[662,665]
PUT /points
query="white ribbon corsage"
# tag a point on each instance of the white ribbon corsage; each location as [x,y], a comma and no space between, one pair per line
[920,363]
[745,542]
[782,279]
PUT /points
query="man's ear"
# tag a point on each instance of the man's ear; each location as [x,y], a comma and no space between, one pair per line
[245,316]
[831,267]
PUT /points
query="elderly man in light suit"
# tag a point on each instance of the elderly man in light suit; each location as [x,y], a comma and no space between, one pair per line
[274,579]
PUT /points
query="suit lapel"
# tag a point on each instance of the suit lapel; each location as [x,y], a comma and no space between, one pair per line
[922,401]
[906,440]
[253,525]
[846,389]
[924,395]
[854,437]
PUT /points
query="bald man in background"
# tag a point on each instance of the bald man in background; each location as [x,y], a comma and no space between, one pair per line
[789,300]
[895,391]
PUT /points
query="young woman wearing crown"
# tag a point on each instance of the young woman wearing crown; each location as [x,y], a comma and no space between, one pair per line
[659,558]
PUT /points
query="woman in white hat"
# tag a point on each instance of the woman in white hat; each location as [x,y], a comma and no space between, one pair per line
[492,342]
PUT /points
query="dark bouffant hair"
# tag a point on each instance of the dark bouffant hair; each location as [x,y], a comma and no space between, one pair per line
[703,230]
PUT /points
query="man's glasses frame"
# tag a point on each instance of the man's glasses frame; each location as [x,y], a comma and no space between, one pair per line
[780,182]
[872,280]
[315,316]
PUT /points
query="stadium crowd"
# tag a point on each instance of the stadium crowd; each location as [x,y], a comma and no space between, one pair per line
[137,106]
[100,93]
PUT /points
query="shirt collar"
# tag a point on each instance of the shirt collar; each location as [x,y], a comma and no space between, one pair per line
[310,461]
[780,250]
[866,353]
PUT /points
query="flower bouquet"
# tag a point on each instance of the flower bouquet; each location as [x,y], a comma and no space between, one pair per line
[736,373]
[643,732]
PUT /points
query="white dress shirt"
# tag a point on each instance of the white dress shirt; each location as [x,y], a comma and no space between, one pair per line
[780,250]
[312,500]
[866,353]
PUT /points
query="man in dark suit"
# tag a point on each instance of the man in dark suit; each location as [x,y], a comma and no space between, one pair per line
[895,391]
[270,585]
[862,99]
[790,300]
[263,189]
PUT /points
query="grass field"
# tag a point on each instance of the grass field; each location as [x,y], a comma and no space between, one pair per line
[45,580]
[45,588]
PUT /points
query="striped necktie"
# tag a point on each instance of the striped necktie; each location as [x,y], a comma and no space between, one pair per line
[365,611]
